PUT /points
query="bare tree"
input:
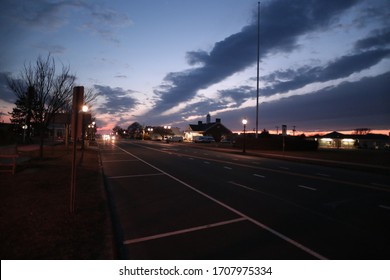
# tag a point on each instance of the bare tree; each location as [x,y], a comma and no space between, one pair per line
[362,131]
[50,92]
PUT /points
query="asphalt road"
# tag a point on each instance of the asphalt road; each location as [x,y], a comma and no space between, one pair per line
[176,201]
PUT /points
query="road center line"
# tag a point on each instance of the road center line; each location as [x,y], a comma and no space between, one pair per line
[323,175]
[118,160]
[134,176]
[167,234]
[384,207]
[227,167]
[308,188]
[259,224]
[242,186]
[287,172]
[380,185]
[258,175]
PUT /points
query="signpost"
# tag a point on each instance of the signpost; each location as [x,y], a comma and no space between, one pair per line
[78,97]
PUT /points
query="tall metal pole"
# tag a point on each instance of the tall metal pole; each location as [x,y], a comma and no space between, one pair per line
[258,65]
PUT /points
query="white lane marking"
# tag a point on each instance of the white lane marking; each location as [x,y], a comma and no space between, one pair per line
[167,234]
[206,162]
[322,174]
[227,167]
[296,174]
[241,186]
[257,223]
[380,185]
[308,188]
[191,158]
[118,160]
[384,207]
[134,176]
[258,175]
[284,168]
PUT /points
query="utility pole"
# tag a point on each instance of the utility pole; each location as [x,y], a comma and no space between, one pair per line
[258,65]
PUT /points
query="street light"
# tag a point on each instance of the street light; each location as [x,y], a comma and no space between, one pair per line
[244,122]
[166,127]
[84,109]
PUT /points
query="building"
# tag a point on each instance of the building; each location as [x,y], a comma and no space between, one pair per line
[337,140]
[215,129]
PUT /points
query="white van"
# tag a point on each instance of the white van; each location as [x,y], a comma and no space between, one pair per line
[204,139]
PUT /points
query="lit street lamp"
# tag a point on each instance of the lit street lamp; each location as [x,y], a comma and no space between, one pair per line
[166,132]
[84,109]
[244,122]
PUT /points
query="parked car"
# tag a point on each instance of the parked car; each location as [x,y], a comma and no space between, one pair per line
[204,139]
[178,139]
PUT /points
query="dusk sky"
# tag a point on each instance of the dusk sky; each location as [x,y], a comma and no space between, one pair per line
[324,65]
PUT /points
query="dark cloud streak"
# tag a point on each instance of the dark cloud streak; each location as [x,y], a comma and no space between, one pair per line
[118,101]
[351,104]
[339,68]
[282,22]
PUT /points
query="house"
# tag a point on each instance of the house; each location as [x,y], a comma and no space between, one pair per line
[215,129]
[337,140]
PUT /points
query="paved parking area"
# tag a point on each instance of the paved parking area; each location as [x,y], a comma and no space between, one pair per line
[161,217]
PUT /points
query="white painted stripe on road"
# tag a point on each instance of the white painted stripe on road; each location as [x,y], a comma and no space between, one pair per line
[206,162]
[241,186]
[259,224]
[172,233]
[258,175]
[118,160]
[284,168]
[380,185]
[322,174]
[308,188]
[134,176]
[384,207]
[227,167]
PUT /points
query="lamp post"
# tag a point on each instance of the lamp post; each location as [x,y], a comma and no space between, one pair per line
[24,132]
[165,128]
[84,109]
[150,130]
[244,122]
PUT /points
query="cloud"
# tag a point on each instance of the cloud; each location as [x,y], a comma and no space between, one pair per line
[116,101]
[345,106]
[6,94]
[380,38]
[40,13]
[239,51]
[284,80]
[49,16]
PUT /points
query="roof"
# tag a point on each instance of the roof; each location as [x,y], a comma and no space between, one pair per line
[208,127]
[334,134]
[369,136]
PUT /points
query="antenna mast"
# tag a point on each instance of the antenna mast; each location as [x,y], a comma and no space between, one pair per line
[258,64]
